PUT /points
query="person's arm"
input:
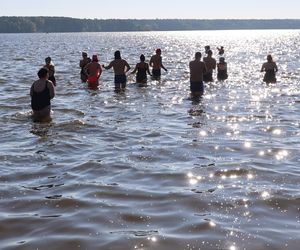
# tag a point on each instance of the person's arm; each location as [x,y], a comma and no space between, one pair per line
[100,70]
[151,61]
[162,66]
[127,67]
[148,70]
[262,68]
[135,69]
[109,66]
[51,89]
[275,67]
[31,90]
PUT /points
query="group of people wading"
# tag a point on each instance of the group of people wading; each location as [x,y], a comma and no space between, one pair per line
[43,90]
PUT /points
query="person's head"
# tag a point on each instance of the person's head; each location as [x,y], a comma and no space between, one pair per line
[43,73]
[142,58]
[95,58]
[209,52]
[158,51]
[117,54]
[269,58]
[84,54]
[221,59]
[198,55]
[48,59]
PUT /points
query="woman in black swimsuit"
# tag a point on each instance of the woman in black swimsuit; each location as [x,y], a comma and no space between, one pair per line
[142,68]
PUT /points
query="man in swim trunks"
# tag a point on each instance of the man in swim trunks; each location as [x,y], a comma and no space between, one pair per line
[156,64]
[121,67]
[197,69]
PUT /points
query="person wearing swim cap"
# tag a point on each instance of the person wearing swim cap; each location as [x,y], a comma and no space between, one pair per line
[93,70]
[120,67]
[156,64]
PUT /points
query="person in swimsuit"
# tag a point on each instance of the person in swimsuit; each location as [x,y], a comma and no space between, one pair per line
[142,68]
[222,69]
[41,92]
[270,68]
[121,67]
[197,69]
[93,71]
[221,50]
[156,64]
[83,62]
[210,63]
[50,66]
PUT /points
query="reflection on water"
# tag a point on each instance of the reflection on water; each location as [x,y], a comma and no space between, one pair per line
[151,167]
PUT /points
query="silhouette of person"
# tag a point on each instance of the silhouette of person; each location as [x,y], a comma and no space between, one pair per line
[120,67]
[222,69]
[83,62]
[41,92]
[142,68]
[197,69]
[93,70]
[221,50]
[50,66]
[210,63]
[206,49]
[270,69]
[156,64]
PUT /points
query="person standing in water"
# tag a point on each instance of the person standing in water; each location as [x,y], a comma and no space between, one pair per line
[120,67]
[197,69]
[83,62]
[142,68]
[50,66]
[222,69]
[210,63]
[41,92]
[93,71]
[270,68]
[221,50]
[156,64]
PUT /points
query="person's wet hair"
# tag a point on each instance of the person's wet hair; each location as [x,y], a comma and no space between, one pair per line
[117,54]
[158,51]
[42,73]
[269,58]
[209,52]
[95,58]
[84,54]
[198,55]
[48,59]
[222,59]
[142,58]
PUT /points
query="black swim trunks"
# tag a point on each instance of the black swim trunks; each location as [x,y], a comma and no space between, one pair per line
[197,87]
[120,80]
[156,73]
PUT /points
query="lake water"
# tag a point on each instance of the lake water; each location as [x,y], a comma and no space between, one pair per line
[151,168]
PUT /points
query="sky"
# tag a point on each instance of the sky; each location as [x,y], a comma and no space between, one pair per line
[161,9]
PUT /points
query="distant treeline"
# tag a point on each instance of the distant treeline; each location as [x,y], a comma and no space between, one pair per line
[65,24]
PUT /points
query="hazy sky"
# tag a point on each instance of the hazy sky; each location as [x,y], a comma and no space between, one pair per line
[198,9]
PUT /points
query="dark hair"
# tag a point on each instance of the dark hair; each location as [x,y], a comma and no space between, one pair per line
[48,59]
[221,59]
[43,72]
[142,58]
[209,52]
[198,55]
[117,54]
[269,58]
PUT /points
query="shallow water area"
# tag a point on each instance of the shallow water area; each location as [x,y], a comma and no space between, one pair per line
[151,168]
